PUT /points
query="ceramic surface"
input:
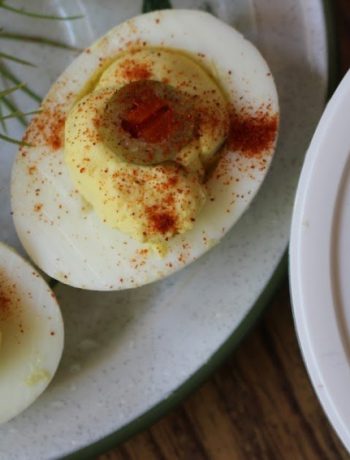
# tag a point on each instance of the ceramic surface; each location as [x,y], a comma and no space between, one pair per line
[320,263]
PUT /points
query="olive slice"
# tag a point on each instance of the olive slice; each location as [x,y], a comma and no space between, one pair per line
[148,122]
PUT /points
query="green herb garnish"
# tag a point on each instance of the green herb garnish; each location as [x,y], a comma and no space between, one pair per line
[8,76]
[36,39]
[33,14]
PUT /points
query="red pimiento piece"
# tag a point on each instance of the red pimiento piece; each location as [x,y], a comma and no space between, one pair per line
[133,71]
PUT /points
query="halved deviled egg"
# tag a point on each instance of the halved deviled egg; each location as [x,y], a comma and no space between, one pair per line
[31,331]
[147,150]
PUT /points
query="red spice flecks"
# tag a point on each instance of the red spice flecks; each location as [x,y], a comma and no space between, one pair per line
[252,134]
[161,220]
[55,136]
[132,70]
[10,303]
[38,207]
[32,170]
[5,303]
[172,181]
[47,128]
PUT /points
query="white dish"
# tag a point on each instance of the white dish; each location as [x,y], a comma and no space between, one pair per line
[136,353]
[320,261]
[31,334]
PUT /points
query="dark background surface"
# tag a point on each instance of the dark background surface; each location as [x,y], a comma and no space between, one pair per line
[259,404]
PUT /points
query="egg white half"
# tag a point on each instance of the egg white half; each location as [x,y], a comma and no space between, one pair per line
[64,236]
[31,334]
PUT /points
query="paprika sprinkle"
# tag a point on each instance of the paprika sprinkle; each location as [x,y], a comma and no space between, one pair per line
[252,134]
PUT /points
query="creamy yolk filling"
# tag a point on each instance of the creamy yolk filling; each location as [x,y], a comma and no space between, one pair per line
[138,144]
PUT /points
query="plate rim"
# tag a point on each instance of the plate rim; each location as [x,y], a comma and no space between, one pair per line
[328,385]
[202,373]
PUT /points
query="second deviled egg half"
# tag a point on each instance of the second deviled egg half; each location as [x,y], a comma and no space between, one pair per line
[32,335]
[147,150]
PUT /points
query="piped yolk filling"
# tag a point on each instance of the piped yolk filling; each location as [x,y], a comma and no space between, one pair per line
[138,150]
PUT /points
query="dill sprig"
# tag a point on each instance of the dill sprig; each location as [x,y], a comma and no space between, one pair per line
[8,91]
[12,140]
[11,106]
[17,114]
[9,57]
[33,14]
[2,121]
[4,34]
[9,77]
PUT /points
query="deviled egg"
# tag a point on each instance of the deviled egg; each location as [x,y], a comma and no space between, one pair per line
[31,331]
[147,150]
